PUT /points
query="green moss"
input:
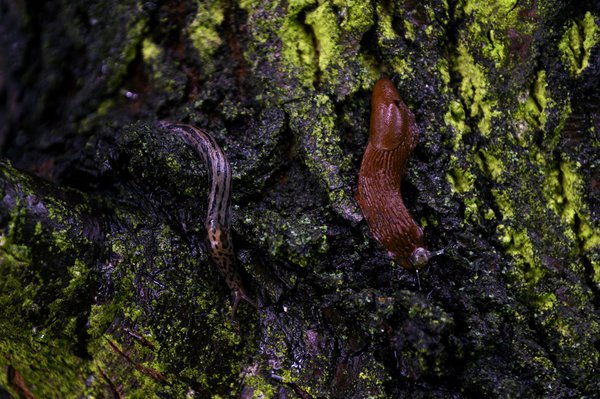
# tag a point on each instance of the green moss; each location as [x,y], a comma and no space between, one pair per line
[578,41]
[46,363]
[100,319]
[203,31]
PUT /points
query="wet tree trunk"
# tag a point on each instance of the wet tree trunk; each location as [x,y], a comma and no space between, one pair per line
[106,285]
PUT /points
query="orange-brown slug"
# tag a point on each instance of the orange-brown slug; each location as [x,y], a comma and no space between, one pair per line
[393,134]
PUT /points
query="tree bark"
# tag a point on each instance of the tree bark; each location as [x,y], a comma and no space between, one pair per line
[106,285]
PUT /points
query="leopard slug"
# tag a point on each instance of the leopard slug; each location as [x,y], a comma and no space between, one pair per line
[218,216]
[393,135]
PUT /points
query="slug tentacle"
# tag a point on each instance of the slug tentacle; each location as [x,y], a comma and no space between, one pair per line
[393,134]
[218,215]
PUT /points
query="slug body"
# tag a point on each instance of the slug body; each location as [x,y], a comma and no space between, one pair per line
[393,134]
[218,216]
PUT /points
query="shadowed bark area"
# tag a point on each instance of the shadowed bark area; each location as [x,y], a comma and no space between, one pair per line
[106,284]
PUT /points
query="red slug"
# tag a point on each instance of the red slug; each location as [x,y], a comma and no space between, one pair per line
[393,135]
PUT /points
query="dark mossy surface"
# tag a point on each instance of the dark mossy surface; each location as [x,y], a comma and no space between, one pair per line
[106,288]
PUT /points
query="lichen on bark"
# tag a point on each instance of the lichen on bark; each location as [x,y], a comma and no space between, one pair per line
[107,287]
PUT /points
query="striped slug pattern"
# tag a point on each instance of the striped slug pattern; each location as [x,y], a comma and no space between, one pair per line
[218,215]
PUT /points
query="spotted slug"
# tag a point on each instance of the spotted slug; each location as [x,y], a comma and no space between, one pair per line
[218,216]
[393,135]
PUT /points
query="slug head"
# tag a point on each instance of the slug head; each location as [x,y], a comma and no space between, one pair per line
[419,258]
[392,123]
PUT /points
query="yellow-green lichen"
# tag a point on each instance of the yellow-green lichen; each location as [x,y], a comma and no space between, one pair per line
[327,34]
[571,186]
[120,62]
[48,367]
[358,15]
[474,90]
[532,112]
[578,41]
[203,31]
[444,72]
[461,180]
[491,162]
[384,23]
[496,49]
[409,30]
[295,239]
[150,51]
[260,386]
[488,23]
[536,103]
[456,117]
[563,189]
[518,244]
[78,279]
[472,208]
[401,66]
[506,206]
[298,51]
[545,301]
[323,154]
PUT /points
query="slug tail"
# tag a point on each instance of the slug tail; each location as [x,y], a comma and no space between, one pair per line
[237,297]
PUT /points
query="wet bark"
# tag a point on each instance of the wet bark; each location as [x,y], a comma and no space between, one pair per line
[106,286]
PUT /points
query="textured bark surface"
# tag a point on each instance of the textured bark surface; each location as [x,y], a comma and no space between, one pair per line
[106,288]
